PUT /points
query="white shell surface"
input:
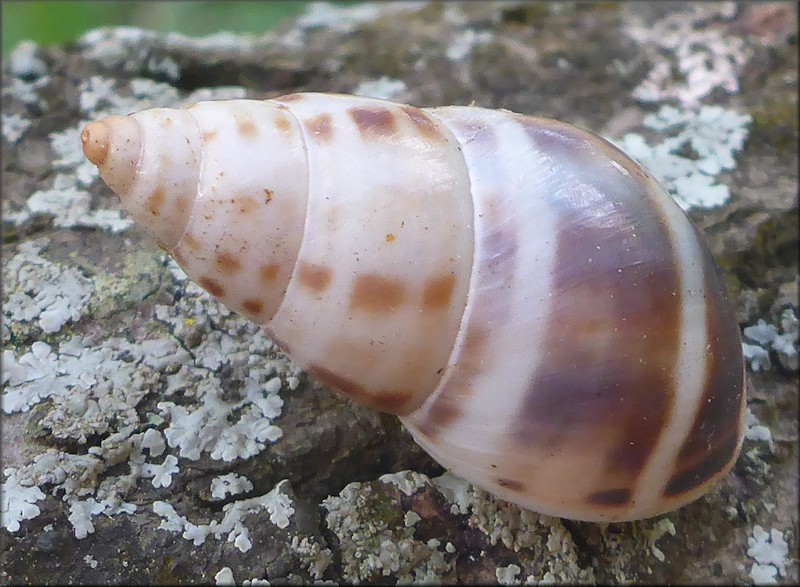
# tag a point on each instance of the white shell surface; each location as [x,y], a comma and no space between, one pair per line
[246,226]
[381,280]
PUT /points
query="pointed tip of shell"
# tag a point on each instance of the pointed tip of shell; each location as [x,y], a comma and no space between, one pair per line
[112,144]
[95,142]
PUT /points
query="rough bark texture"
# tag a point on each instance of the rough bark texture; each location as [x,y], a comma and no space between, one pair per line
[131,399]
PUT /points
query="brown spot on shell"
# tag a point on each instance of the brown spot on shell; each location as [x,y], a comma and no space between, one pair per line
[343,384]
[373,122]
[179,258]
[246,204]
[212,286]
[510,484]
[424,124]
[191,243]
[610,497]
[282,123]
[321,127]
[440,415]
[315,277]
[156,201]
[376,293]
[253,306]
[268,195]
[389,401]
[209,136]
[227,263]
[166,122]
[246,127]
[268,273]
[438,292]
[390,238]
[183,204]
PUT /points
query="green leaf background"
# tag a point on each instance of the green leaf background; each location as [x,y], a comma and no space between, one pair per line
[47,23]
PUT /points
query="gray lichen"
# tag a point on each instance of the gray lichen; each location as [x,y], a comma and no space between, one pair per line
[714,135]
[375,541]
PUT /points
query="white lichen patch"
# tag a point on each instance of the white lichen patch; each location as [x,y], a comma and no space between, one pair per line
[72,476]
[215,427]
[691,59]
[409,482]
[373,546]
[224,577]
[712,135]
[508,575]
[771,553]
[14,127]
[384,88]
[229,484]
[80,515]
[42,291]
[786,343]
[277,503]
[345,19]
[456,490]
[464,42]
[24,61]
[127,49]
[90,387]
[756,357]
[762,338]
[659,529]
[19,497]
[94,387]
[26,91]
[161,473]
[342,19]
[100,96]
[501,521]
[153,441]
[410,518]
[97,388]
[227,427]
[755,431]
[70,207]
[518,529]
[313,557]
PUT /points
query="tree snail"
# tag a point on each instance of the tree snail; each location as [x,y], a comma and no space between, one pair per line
[543,317]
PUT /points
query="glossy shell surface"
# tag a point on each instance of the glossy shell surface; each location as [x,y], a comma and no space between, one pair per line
[539,312]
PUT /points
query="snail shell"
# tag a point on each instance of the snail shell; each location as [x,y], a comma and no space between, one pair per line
[539,312]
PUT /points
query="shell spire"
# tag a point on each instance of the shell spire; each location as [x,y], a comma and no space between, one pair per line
[157,196]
